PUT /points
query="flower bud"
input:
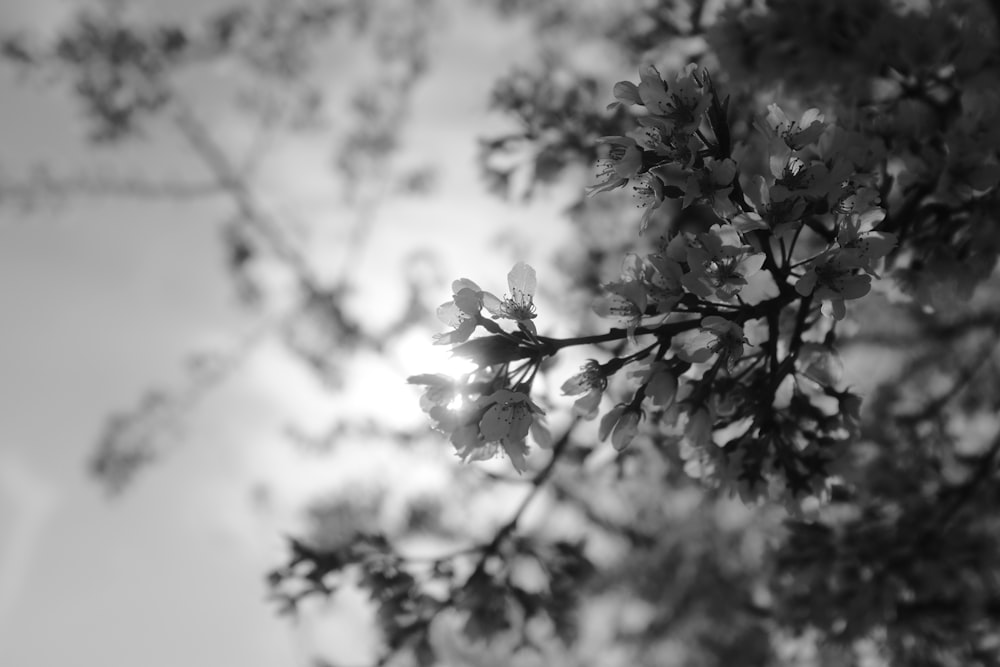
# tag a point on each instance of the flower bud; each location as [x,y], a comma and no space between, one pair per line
[625,430]
[699,428]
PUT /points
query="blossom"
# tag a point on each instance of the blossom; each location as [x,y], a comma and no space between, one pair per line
[680,103]
[649,195]
[861,199]
[625,300]
[622,163]
[815,180]
[863,245]
[659,136]
[834,278]
[482,428]
[718,269]
[795,134]
[717,336]
[461,312]
[661,383]
[591,383]
[470,445]
[653,91]
[784,136]
[519,306]
[440,392]
[652,135]
[460,421]
[508,416]
[782,217]
[688,100]
[662,137]
[713,185]
[481,420]
[507,421]
[665,288]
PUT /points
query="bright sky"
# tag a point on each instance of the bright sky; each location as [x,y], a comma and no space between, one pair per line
[103,300]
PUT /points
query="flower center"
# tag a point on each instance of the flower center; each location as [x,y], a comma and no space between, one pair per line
[523,309]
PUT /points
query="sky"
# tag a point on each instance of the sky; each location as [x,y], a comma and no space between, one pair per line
[104,298]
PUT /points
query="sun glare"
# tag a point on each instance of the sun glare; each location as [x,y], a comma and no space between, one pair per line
[457,402]
[418,355]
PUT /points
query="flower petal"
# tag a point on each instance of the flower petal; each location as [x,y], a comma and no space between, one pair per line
[468,301]
[806,284]
[495,423]
[628,92]
[464,283]
[751,264]
[699,428]
[522,282]
[493,304]
[608,422]
[834,308]
[662,388]
[516,450]
[541,434]
[587,405]
[450,314]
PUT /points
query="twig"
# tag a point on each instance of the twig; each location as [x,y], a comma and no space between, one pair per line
[965,375]
[230,180]
[965,492]
[486,551]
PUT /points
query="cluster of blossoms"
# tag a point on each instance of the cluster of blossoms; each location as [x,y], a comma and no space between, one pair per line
[668,133]
[844,272]
[482,425]
[716,315]
[463,312]
[490,410]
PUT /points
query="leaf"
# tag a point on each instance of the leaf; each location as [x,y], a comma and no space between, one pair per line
[718,118]
[490,350]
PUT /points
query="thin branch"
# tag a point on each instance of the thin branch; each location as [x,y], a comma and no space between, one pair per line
[230,180]
[486,551]
[44,185]
[967,490]
[965,375]
[129,440]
